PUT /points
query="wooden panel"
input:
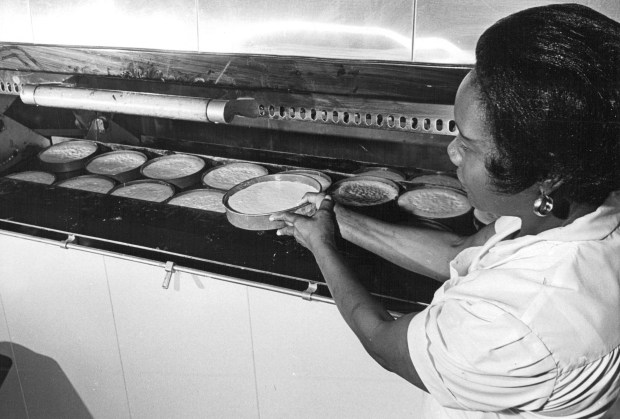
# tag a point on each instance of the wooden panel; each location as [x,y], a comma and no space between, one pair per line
[404,81]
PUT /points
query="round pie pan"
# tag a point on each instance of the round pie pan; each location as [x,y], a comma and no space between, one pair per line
[121,177]
[198,191]
[261,221]
[383,172]
[208,183]
[460,222]
[334,188]
[31,176]
[66,166]
[387,210]
[104,178]
[180,182]
[325,180]
[436,179]
[135,182]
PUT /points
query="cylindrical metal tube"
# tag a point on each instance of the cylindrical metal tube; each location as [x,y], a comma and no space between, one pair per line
[185,108]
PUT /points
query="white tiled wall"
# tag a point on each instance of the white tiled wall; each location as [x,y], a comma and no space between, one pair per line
[119,345]
[186,350]
[310,364]
[58,311]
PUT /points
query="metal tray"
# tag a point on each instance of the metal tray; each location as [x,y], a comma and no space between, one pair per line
[261,221]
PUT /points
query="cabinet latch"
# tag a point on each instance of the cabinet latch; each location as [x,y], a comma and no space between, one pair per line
[65,243]
[307,294]
[169,268]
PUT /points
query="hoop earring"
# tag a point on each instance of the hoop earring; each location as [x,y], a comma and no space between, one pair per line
[543,204]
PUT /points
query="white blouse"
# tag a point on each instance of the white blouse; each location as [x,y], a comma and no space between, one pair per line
[527,327]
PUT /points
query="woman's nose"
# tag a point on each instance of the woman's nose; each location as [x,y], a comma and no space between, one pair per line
[454,154]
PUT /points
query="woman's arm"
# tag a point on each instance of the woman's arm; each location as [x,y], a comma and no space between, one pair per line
[422,250]
[383,337]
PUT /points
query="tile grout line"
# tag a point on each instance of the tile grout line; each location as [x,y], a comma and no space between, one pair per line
[253,357]
[118,345]
[19,380]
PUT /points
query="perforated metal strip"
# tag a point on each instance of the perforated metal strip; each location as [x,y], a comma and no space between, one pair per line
[357,118]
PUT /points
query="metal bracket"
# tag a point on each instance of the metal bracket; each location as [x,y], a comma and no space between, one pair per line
[307,294]
[169,269]
[65,243]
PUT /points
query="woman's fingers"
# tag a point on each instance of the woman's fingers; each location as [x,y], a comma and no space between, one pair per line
[287,217]
[286,231]
[314,198]
[327,203]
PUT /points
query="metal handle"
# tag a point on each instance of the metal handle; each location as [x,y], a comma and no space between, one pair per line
[139,103]
[169,268]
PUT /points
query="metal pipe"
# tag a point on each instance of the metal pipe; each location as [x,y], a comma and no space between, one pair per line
[155,105]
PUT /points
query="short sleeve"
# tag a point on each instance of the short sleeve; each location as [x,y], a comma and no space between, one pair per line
[472,355]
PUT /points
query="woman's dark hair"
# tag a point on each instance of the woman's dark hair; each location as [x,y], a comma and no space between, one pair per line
[550,80]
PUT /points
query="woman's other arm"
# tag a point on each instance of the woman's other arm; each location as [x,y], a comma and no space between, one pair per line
[422,250]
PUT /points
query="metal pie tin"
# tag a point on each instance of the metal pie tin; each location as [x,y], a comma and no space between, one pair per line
[261,221]
[181,199]
[437,179]
[105,184]
[181,180]
[321,177]
[117,172]
[128,190]
[35,176]
[337,189]
[382,172]
[49,160]
[209,177]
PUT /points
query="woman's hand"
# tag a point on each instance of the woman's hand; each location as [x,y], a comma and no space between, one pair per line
[315,231]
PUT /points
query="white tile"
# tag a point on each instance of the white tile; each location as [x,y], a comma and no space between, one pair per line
[58,312]
[154,24]
[310,364]
[15,25]
[186,350]
[12,404]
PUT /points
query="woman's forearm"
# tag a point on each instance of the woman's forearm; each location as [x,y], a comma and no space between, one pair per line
[383,337]
[421,250]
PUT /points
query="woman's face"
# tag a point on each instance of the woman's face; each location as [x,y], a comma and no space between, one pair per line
[469,151]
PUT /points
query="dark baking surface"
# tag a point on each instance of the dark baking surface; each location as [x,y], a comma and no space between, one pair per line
[195,238]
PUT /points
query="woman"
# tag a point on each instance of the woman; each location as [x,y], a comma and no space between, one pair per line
[528,320]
